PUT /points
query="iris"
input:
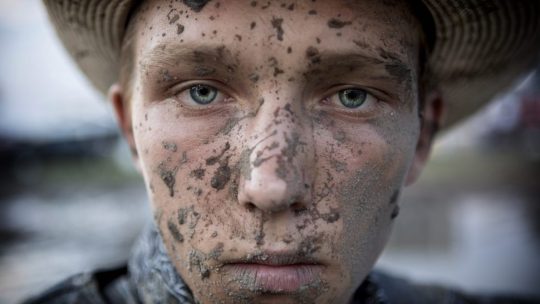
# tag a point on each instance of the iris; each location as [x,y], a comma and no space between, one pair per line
[203,94]
[352,98]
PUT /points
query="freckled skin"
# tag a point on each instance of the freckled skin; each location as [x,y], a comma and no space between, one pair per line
[275,165]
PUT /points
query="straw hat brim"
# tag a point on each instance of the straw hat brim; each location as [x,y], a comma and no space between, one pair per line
[481,47]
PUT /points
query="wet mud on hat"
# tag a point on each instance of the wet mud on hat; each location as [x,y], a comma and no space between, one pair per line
[480,47]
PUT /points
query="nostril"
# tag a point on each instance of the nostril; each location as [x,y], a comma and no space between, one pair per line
[298,207]
[250,206]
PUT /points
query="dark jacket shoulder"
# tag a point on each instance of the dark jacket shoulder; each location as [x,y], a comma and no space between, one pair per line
[399,290]
[100,287]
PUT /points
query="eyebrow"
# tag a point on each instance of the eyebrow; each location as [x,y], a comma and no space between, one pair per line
[387,65]
[203,61]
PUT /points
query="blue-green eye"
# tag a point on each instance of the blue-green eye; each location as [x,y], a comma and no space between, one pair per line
[352,98]
[203,94]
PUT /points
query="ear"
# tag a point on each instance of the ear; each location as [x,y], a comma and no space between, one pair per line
[122,112]
[430,120]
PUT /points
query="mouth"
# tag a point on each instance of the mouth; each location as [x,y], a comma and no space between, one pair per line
[275,273]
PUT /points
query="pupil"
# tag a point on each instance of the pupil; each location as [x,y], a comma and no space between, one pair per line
[352,95]
[203,94]
[352,98]
[203,91]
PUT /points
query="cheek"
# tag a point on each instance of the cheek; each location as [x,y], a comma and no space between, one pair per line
[191,162]
[360,167]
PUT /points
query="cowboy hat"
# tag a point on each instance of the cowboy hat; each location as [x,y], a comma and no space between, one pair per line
[480,47]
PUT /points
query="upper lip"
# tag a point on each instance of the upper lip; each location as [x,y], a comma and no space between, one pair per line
[275,259]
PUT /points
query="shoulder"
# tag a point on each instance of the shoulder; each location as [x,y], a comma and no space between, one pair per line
[399,290]
[110,286]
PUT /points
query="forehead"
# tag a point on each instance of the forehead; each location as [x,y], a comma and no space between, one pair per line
[261,29]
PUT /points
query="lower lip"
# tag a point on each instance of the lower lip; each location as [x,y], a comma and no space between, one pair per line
[276,278]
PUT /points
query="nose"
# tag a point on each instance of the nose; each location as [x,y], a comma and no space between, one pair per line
[280,161]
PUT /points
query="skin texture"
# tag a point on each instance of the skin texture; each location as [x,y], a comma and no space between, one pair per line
[276,164]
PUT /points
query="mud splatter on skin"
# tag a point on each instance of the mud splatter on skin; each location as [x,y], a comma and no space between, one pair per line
[309,246]
[216,252]
[260,160]
[177,236]
[313,55]
[168,177]
[197,263]
[169,146]
[276,23]
[173,16]
[190,217]
[179,29]
[223,172]
[335,23]
[215,159]
[331,217]
[259,235]
[198,173]
[274,63]
[254,77]
[221,176]
[233,122]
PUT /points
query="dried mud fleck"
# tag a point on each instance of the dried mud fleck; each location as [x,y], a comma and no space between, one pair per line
[198,173]
[179,29]
[169,146]
[221,176]
[313,55]
[254,77]
[276,23]
[309,246]
[196,263]
[215,159]
[168,177]
[216,252]
[331,217]
[337,24]
[178,237]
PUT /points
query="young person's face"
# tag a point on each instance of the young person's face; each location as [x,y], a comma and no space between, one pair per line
[274,139]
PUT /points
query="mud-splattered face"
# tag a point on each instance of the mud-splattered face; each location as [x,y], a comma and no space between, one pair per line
[274,139]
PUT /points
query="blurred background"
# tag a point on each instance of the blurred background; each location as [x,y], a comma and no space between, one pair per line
[70,200]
